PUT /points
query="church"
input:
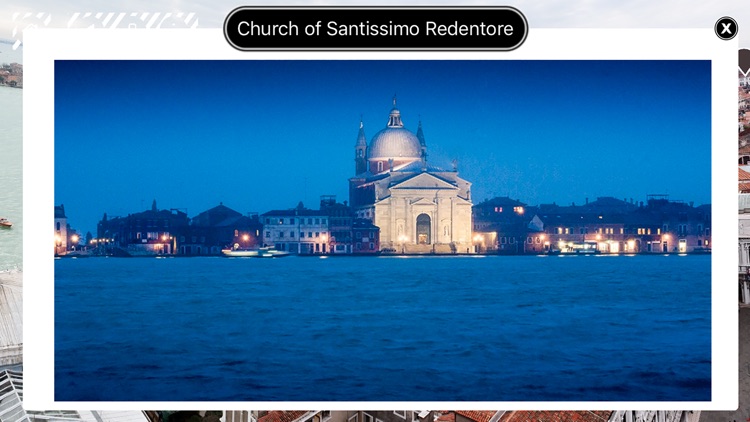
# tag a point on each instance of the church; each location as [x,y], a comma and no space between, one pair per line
[419,208]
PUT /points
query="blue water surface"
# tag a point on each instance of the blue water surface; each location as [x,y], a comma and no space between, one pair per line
[526,328]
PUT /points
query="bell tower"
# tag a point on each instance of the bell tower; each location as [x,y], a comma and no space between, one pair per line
[360,151]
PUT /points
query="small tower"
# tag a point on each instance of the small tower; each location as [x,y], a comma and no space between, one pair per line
[360,151]
[420,136]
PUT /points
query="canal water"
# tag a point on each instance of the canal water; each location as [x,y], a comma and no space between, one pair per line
[11,192]
[530,328]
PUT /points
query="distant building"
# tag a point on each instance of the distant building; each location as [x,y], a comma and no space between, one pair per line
[218,228]
[366,237]
[340,221]
[607,225]
[418,207]
[61,230]
[298,230]
[151,232]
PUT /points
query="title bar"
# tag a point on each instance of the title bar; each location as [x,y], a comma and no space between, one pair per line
[489,28]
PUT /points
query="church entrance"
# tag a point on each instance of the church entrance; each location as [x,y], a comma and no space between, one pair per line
[423,229]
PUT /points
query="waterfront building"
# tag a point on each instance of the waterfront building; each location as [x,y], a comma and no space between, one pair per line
[61,230]
[298,230]
[340,221]
[218,228]
[366,237]
[419,207]
[151,232]
[606,225]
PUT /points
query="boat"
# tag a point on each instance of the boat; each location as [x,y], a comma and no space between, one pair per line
[4,222]
[254,253]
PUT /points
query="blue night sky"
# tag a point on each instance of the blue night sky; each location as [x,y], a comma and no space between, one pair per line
[262,135]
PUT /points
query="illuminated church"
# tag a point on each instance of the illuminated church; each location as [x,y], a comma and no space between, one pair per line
[419,208]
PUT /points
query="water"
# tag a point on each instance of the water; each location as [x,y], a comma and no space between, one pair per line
[384,329]
[11,193]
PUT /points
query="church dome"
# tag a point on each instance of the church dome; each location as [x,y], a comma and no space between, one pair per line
[394,141]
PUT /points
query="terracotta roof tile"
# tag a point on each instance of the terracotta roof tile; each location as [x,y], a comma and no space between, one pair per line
[477,415]
[743,175]
[551,416]
[744,188]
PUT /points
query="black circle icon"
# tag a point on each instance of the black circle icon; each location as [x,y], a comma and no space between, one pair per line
[726,28]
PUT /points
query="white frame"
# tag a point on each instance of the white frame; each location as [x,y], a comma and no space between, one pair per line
[43,46]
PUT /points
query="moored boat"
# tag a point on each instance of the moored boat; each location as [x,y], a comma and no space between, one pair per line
[254,253]
[4,222]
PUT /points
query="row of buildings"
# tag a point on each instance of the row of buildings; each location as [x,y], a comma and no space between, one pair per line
[499,226]
[400,203]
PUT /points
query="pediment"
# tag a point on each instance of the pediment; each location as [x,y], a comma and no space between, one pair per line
[423,201]
[423,181]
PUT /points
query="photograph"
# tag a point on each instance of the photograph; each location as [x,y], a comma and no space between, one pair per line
[433,230]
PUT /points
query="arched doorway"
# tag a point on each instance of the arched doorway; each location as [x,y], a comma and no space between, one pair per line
[423,229]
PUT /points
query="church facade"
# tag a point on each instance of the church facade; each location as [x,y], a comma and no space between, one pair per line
[419,208]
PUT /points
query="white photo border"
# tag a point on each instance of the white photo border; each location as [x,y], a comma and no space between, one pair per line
[43,46]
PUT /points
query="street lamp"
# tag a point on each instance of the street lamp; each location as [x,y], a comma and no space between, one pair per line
[324,238]
[402,239]
[478,241]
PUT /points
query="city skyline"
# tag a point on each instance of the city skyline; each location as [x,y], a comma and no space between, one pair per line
[263,135]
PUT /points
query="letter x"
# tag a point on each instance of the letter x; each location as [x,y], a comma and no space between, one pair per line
[726,27]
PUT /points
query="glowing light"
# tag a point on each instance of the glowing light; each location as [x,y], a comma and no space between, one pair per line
[245,237]
[74,238]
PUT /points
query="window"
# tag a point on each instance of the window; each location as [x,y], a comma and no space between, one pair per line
[58,226]
[309,221]
[317,221]
[309,234]
[323,221]
[291,221]
[372,246]
[498,209]
[400,413]
[317,234]
[281,221]
[301,235]
[291,234]
[380,166]
[359,245]
[236,233]
[281,234]
[268,221]
[529,240]
[512,240]
[538,240]
[502,240]
[268,234]
[367,418]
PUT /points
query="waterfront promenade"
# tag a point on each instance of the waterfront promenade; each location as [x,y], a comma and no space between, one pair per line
[11,323]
